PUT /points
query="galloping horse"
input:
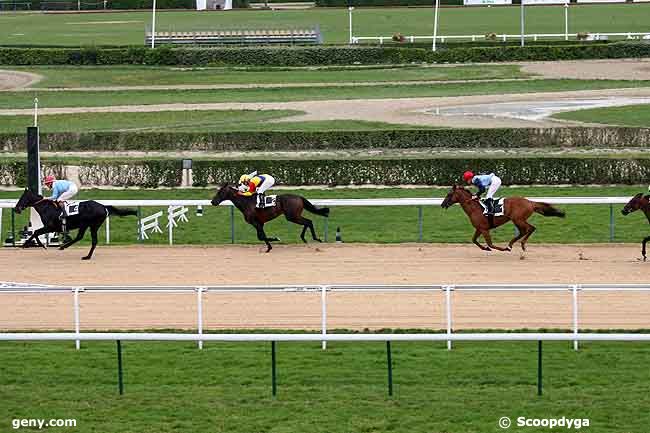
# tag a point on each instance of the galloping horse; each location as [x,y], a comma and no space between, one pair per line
[515,209]
[642,202]
[91,215]
[288,204]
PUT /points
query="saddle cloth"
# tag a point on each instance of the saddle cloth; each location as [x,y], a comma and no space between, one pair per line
[71,208]
[269,201]
[498,206]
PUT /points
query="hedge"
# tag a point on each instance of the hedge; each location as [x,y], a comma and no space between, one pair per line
[502,138]
[303,56]
[435,171]
[13,172]
[143,4]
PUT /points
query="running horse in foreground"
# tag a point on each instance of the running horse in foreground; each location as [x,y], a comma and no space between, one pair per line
[639,202]
[289,205]
[515,209]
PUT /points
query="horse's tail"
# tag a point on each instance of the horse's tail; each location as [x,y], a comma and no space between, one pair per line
[324,211]
[547,210]
[112,210]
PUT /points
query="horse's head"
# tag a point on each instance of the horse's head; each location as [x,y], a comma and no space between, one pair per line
[637,202]
[456,195]
[26,200]
[226,192]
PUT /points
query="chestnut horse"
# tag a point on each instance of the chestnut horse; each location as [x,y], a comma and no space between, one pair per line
[641,202]
[516,209]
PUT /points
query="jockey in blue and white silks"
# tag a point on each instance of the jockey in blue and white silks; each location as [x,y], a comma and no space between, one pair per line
[484,182]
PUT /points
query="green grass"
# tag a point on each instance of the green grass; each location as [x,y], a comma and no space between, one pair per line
[190,121]
[631,115]
[46,99]
[146,76]
[174,387]
[584,223]
[96,29]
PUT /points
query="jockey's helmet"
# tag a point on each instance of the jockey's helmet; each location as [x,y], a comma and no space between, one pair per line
[49,180]
[468,175]
[244,178]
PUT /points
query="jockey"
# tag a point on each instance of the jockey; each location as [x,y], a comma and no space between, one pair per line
[62,190]
[483,182]
[254,183]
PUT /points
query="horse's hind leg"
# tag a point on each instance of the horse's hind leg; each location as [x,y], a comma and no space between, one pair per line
[531,230]
[523,229]
[306,224]
[80,236]
[93,234]
[477,233]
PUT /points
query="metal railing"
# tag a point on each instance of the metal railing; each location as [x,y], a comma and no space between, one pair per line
[323,290]
[501,37]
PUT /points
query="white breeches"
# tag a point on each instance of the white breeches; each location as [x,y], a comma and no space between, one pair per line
[494,186]
[268,183]
[71,192]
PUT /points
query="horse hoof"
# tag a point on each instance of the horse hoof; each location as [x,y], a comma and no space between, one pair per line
[318,240]
[85,258]
[61,248]
[508,249]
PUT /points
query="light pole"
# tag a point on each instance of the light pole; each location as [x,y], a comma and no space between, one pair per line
[153,25]
[522,24]
[566,21]
[435,24]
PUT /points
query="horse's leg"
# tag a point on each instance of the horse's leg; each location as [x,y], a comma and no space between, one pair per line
[93,234]
[645,241]
[35,236]
[80,236]
[488,239]
[531,230]
[306,224]
[262,236]
[522,228]
[477,233]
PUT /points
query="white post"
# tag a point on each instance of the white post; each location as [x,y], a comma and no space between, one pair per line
[323,314]
[199,313]
[574,290]
[170,225]
[153,25]
[1,238]
[566,21]
[350,9]
[448,296]
[35,111]
[78,5]
[108,230]
[435,24]
[522,24]
[76,316]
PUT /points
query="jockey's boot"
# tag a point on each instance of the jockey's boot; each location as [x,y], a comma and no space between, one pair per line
[489,204]
[261,200]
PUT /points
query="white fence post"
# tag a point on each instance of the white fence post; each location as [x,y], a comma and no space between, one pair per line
[448,302]
[170,225]
[108,230]
[574,290]
[76,316]
[323,304]
[199,313]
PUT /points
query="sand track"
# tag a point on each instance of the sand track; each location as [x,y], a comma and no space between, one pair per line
[322,264]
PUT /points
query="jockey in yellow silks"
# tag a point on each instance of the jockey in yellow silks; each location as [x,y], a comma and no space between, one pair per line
[253,183]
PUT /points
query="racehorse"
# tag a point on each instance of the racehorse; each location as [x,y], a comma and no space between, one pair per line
[515,209]
[642,202]
[91,215]
[288,204]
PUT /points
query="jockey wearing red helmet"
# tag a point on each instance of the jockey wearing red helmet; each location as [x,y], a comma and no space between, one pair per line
[484,182]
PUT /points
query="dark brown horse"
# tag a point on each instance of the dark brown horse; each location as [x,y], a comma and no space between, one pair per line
[516,209]
[289,205]
[639,202]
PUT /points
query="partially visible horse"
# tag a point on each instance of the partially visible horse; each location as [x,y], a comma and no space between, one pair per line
[639,202]
[289,205]
[91,215]
[515,209]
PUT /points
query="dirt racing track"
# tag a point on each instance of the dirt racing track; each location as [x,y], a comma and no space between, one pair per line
[326,264]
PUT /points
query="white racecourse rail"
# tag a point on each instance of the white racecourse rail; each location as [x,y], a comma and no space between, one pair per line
[323,290]
[417,202]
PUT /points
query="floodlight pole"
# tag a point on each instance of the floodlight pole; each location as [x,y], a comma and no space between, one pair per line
[566,21]
[35,111]
[350,9]
[153,25]
[522,24]
[435,24]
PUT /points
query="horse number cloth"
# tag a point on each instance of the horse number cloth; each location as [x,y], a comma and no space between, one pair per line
[269,201]
[498,206]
